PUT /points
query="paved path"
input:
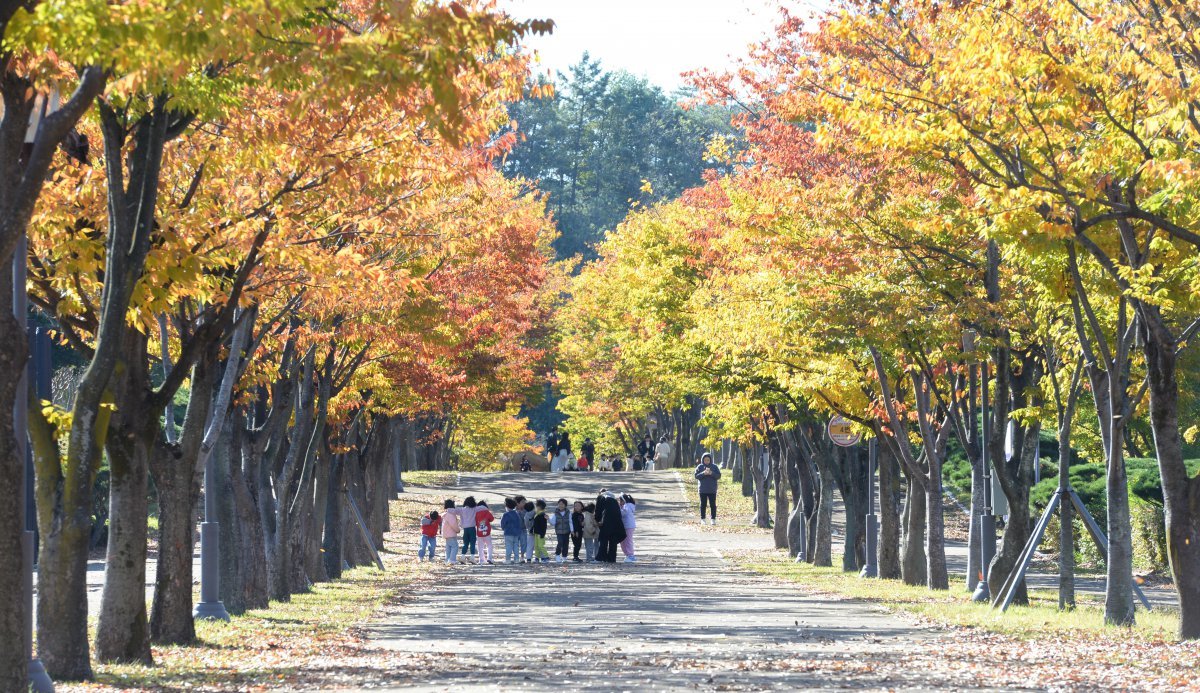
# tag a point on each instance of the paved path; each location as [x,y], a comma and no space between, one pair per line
[680,617]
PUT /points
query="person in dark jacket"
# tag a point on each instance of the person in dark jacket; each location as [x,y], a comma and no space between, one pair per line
[646,446]
[707,474]
[612,528]
[564,443]
[588,450]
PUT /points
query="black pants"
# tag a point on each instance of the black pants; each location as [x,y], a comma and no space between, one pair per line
[708,499]
[564,545]
[576,541]
[606,549]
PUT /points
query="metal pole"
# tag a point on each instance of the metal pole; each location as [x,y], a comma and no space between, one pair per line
[210,606]
[39,681]
[987,521]
[871,569]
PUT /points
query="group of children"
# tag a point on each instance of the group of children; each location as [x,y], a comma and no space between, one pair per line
[466,530]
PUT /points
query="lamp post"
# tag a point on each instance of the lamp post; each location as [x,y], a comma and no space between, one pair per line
[39,680]
[987,520]
[871,569]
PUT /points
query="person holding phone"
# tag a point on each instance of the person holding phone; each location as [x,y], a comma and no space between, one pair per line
[707,474]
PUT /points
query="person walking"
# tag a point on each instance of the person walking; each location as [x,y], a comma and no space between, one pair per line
[587,451]
[563,528]
[612,528]
[629,519]
[540,524]
[483,529]
[662,455]
[430,524]
[513,527]
[467,515]
[577,529]
[707,474]
[591,532]
[645,446]
[451,524]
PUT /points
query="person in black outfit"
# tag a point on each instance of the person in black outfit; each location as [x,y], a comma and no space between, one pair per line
[577,525]
[552,445]
[564,442]
[645,446]
[612,528]
[588,450]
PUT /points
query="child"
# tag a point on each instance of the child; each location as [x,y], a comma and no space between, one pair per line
[628,510]
[430,524]
[540,524]
[514,530]
[577,528]
[562,530]
[523,542]
[467,516]
[591,532]
[483,527]
[451,523]
[530,539]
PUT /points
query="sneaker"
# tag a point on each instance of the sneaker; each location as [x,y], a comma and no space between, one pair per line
[578,560]
[558,559]
[630,559]
[490,563]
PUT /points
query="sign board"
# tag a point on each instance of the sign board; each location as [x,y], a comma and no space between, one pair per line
[841,433]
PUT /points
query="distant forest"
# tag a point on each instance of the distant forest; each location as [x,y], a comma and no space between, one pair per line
[602,134]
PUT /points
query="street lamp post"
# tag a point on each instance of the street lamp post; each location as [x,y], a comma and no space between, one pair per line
[987,520]
[871,569]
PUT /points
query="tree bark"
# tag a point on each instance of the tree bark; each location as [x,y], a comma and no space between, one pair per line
[913,568]
[889,514]
[14,610]
[822,549]
[177,479]
[122,632]
[779,532]
[1181,491]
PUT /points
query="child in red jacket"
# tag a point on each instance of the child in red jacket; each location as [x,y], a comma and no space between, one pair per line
[430,524]
[483,528]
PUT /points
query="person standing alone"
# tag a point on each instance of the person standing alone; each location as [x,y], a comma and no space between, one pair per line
[707,474]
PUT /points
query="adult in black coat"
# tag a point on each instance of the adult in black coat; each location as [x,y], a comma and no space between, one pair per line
[612,527]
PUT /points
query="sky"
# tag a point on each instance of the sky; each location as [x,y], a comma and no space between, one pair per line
[656,39]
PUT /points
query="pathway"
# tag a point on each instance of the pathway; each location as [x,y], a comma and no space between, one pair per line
[680,617]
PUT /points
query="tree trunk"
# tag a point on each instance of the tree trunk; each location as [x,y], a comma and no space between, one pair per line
[913,569]
[332,541]
[762,515]
[177,480]
[889,514]
[974,553]
[781,494]
[251,548]
[122,631]
[1019,526]
[14,611]
[1181,491]
[853,491]
[1066,530]
[822,548]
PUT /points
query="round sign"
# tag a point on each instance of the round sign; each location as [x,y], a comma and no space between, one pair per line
[841,433]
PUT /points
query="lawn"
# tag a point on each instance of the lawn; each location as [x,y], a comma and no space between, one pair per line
[1033,647]
[439,479]
[314,641]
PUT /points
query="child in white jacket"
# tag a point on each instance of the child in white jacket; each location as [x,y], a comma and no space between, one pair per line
[629,518]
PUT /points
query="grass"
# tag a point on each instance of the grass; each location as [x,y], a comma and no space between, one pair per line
[440,479]
[953,607]
[735,512]
[314,640]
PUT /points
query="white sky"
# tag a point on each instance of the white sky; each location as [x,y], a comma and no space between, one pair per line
[657,39]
